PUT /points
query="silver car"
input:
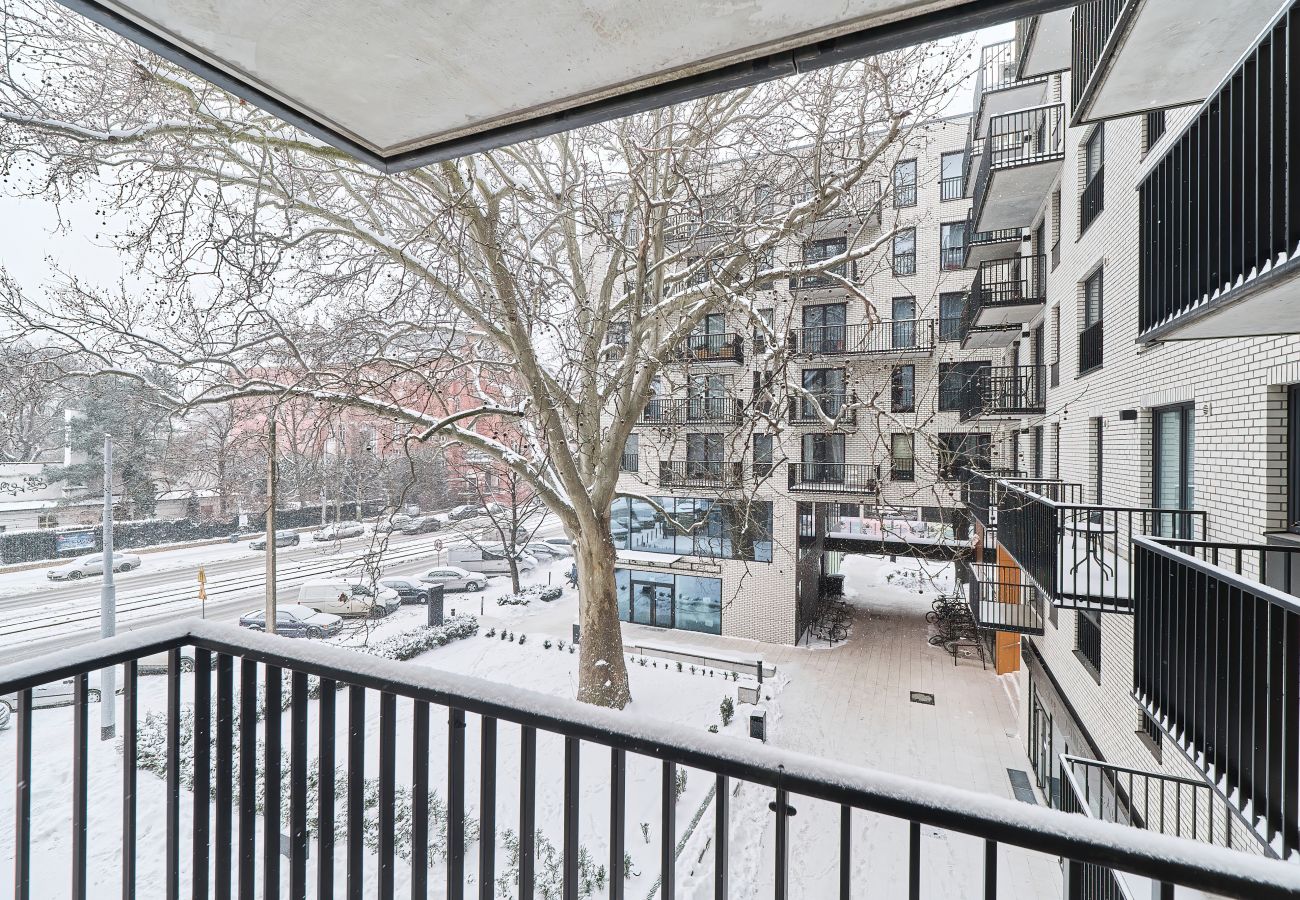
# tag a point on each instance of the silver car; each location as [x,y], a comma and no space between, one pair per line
[92,565]
[45,696]
[454,578]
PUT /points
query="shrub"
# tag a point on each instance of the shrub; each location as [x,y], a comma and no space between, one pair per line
[546,644]
[727,709]
[421,640]
[522,638]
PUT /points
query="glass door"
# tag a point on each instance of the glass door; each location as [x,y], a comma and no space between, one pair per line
[823,328]
[652,599]
[706,397]
[904,328]
[1172,479]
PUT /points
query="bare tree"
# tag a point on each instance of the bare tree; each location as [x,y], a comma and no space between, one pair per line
[32,400]
[520,302]
[511,505]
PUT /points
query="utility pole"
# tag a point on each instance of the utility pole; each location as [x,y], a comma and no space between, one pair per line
[271,475]
[108,605]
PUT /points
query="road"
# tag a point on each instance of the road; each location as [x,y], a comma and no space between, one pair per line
[38,615]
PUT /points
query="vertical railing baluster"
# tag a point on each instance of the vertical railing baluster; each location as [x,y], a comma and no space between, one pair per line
[617,820]
[130,753]
[420,800]
[721,837]
[455,804]
[990,870]
[173,802]
[271,745]
[571,788]
[387,792]
[326,725]
[846,851]
[487,809]
[781,890]
[356,790]
[668,832]
[247,839]
[225,766]
[201,788]
[528,809]
[914,861]
[23,797]
[298,786]
[81,780]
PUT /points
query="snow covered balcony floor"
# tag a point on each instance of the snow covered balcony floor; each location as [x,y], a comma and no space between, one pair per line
[236,777]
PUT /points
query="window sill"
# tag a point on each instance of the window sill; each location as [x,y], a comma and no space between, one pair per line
[1088,666]
[1096,368]
[1145,740]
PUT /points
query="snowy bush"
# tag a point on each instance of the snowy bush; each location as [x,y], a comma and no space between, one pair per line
[410,644]
[727,709]
[529,594]
[548,871]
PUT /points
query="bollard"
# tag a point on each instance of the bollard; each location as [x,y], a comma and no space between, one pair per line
[577,631]
[435,605]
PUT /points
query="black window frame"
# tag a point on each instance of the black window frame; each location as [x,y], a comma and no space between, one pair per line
[952,187]
[908,258]
[896,472]
[952,258]
[1175,526]
[902,388]
[949,325]
[905,192]
[950,396]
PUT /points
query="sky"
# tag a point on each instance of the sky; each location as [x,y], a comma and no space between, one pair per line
[33,244]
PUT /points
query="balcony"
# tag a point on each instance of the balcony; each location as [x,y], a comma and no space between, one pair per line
[1019,161]
[1005,391]
[1006,292]
[998,89]
[701,473]
[1043,44]
[1002,598]
[1216,640]
[979,492]
[722,347]
[887,336]
[692,411]
[985,246]
[1132,56]
[411,730]
[629,462]
[819,281]
[833,410]
[1079,554]
[1218,221]
[860,205]
[833,478]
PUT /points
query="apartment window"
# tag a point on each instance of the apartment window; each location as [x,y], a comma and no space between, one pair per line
[952,172]
[765,261]
[1056,346]
[815,252]
[1293,458]
[951,307]
[902,457]
[763,200]
[1173,448]
[952,246]
[616,219]
[1096,456]
[1056,228]
[823,458]
[762,454]
[631,460]
[768,318]
[823,328]
[1152,129]
[962,449]
[954,379]
[704,455]
[1087,641]
[827,386]
[1036,451]
[903,328]
[903,392]
[1092,199]
[905,252]
[1090,337]
[905,183]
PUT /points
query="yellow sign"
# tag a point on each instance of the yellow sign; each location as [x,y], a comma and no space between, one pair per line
[203,585]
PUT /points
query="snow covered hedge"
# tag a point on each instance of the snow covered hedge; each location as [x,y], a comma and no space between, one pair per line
[410,644]
[527,595]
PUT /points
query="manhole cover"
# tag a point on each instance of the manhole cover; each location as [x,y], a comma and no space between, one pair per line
[922,697]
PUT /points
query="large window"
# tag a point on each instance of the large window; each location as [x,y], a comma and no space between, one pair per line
[905,183]
[902,457]
[822,458]
[952,170]
[1173,448]
[665,600]
[1092,198]
[904,325]
[905,252]
[763,454]
[1090,333]
[951,307]
[694,526]
[815,252]
[823,328]
[960,450]
[704,455]
[827,386]
[903,389]
[952,246]
[953,381]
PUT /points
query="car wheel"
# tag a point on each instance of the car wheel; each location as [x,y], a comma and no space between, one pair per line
[187,664]
[315,633]
[126,567]
[5,715]
[476,586]
[75,574]
[93,695]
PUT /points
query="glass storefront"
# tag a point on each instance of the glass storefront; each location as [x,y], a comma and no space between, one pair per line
[665,600]
[693,526]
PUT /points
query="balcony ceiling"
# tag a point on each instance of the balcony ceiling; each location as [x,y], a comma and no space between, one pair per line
[993,338]
[1016,193]
[1172,53]
[413,82]
[1049,50]
[1013,98]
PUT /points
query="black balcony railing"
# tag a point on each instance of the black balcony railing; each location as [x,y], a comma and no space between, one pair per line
[1220,205]
[558,757]
[978,491]
[1091,28]
[1079,554]
[1002,598]
[998,71]
[833,477]
[692,411]
[629,462]
[1007,290]
[1024,138]
[1090,348]
[719,347]
[982,239]
[885,336]
[952,258]
[904,195]
[711,473]
[819,280]
[952,188]
[817,409]
[1093,199]
[905,263]
[862,202]
[1004,391]
[1216,647]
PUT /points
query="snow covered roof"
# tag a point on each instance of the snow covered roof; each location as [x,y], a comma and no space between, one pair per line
[422,82]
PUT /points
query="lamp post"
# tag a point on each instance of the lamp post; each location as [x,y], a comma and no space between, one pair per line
[271,474]
[108,605]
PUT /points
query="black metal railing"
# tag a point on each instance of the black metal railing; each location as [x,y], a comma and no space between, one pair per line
[1004,391]
[1091,27]
[885,336]
[978,491]
[817,409]
[979,239]
[904,195]
[1154,130]
[711,472]
[862,201]
[221,828]
[1002,286]
[718,347]
[1220,204]
[952,258]
[1087,640]
[1024,138]
[905,263]
[1093,199]
[952,187]
[1079,554]
[833,477]
[816,280]
[629,462]
[1002,598]
[691,411]
[1216,649]
[998,71]
[902,470]
[1090,348]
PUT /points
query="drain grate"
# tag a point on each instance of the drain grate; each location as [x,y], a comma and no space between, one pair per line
[1020,786]
[922,697]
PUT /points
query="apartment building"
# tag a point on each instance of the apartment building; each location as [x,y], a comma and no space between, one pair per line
[1152,513]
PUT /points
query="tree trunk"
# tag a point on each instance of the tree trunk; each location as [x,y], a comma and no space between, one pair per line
[514,570]
[602,670]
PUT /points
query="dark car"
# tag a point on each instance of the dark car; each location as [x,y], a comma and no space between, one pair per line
[465,511]
[295,621]
[410,590]
[282,539]
[244,534]
[422,525]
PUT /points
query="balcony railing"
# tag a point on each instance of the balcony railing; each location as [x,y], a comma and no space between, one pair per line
[1090,348]
[1007,291]
[977,240]
[720,347]
[1093,199]
[978,492]
[1079,554]
[905,263]
[557,756]
[816,281]
[1004,391]
[630,462]
[952,188]
[1025,138]
[692,411]
[999,64]
[1216,648]
[816,410]
[952,259]
[1002,598]
[833,477]
[885,336]
[1091,28]
[862,201]
[709,473]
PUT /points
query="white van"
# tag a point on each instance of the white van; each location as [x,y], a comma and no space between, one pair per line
[489,560]
[348,597]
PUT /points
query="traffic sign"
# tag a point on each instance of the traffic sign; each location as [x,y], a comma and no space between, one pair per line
[437,545]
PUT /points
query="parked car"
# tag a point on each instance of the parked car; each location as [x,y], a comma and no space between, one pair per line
[489,559]
[285,538]
[156,663]
[395,522]
[348,597]
[544,551]
[454,578]
[338,530]
[92,565]
[560,545]
[295,621]
[409,590]
[422,525]
[465,511]
[244,534]
[46,696]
